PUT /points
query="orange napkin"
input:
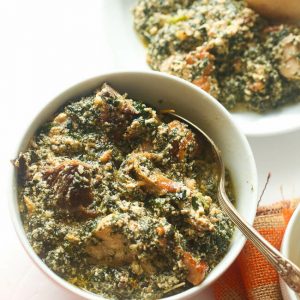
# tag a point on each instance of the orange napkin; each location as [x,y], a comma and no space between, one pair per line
[251,276]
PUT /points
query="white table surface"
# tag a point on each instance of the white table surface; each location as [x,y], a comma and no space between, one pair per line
[55,44]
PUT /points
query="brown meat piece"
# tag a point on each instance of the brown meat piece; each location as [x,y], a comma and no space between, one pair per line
[115,110]
[186,146]
[71,183]
[151,179]
[22,165]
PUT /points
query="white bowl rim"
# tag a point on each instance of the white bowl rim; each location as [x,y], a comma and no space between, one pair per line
[84,293]
[285,246]
[288,231]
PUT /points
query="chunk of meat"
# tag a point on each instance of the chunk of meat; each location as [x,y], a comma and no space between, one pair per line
[71,183]
[290,57]
[152,178]
[196,270]
[112,247]
[22,165]
[165,184]
[187,146]
[114,108]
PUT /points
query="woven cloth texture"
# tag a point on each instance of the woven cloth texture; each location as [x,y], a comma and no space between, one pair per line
[251,276]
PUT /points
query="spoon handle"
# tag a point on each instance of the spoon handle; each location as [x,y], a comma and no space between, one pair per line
[288,271]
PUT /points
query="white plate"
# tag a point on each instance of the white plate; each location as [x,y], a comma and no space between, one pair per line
[130,54]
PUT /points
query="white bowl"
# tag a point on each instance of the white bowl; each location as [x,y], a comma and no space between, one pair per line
[290,247]
[190,102]
[118,14]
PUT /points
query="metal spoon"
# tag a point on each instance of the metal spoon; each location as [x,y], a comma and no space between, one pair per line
[288,271]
